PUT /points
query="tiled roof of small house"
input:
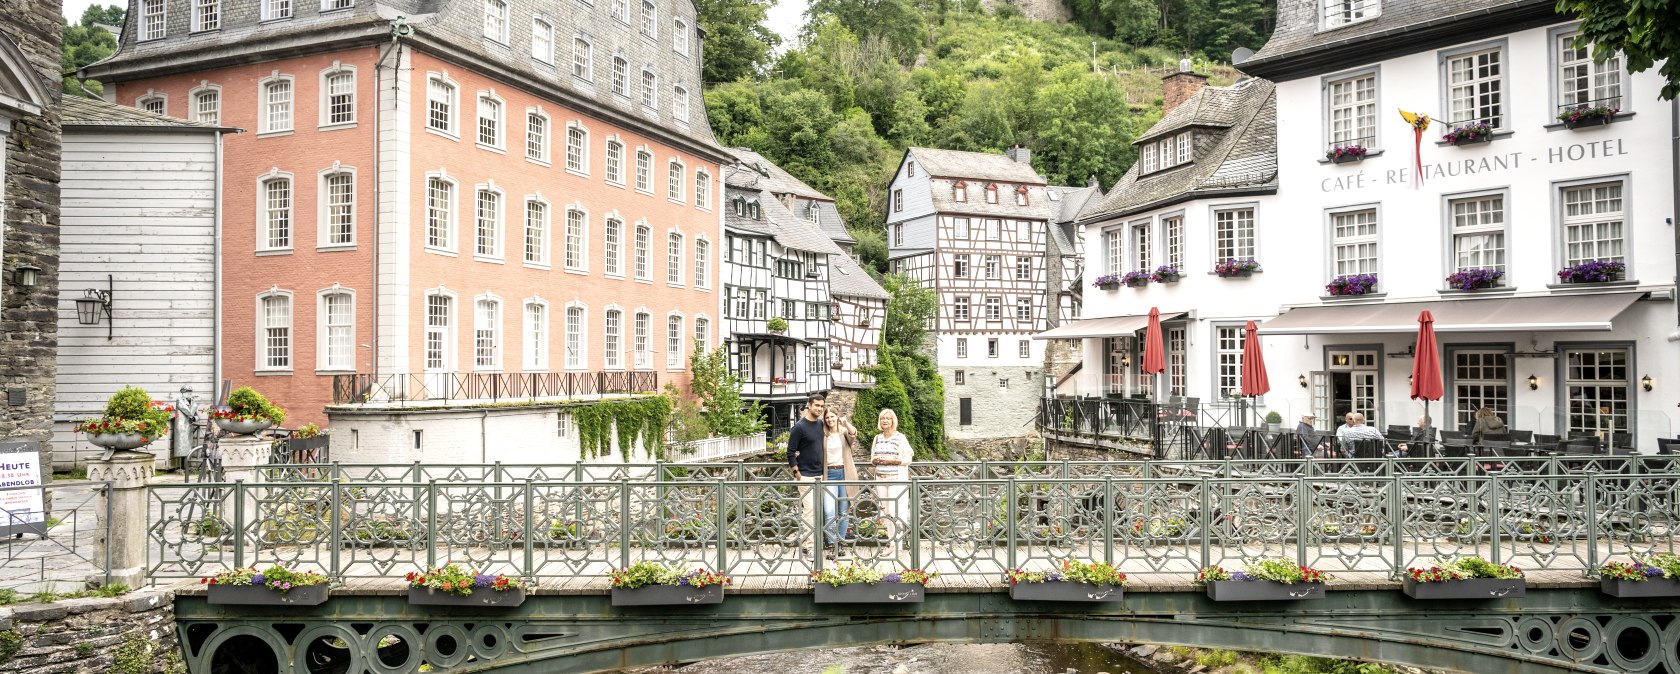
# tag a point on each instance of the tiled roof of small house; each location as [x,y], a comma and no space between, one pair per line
[973,166]
[83,111]
[845,277]
[774,179]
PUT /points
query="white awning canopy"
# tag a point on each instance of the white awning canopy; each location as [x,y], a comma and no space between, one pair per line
[1584,312]
[1112,326]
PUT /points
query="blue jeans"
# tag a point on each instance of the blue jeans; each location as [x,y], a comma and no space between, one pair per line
[834,508]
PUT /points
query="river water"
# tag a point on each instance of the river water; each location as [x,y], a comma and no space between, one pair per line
[926,659]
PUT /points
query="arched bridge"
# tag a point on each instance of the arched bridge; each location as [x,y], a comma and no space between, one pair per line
[565,528]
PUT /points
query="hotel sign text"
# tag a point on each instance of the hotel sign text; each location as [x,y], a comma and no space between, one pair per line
[1467,167]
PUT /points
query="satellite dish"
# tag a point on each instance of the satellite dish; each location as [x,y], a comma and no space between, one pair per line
[1241,54]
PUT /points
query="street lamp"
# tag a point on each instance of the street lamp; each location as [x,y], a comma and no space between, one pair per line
[1533,383]
[26,275]
[93,304]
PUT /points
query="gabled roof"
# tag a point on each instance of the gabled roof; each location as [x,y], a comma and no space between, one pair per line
[793,231]
[828,220]
[1300,46]
[846,278]
[973,166]
[1221,108]
[87,112]
[1242,159]
[774,179]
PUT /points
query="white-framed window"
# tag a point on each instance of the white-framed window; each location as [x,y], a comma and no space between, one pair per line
[157,104]
[577,233]
[536,336]
[1167,152]
[1023,309]
[487,223]
[650,90]
[898,233]
[992,265]
[489,121]
[679,104]
[674,259]
[650,19]
[1141,253]
[992,352]
[959,309]
[1339,13]
[959,229]
[274,339]
[898,200]
[614,247]
[991,193]
[151,19]
[615,162]
[962,347]
[1023,268]
[487,333]
[702,334]
[1021,195]
[207,15]
[621,76]
[644,357]
[575,316]
[673,342]
[1184,147]
[702,259]
[536,231]
[440,105]
[644,266]
[959,266]
[677,178]
[577,149]
[536,136]
[703,189]
[679,40]
[207,104]
[439,340]
[644,171]
[1353,242]
[1598,382]
[1025,350]
[1475,88]
[1353,111]
[275,207]
[621,10]
[1172,229]
[1114,245]
[994,308]
[337,350]
[440,213]
[331,5]
[1478,232]
[542,40]
[1233,237]
[276,9]
[612,338]
[583,59]
[1227,344]
[277,103]
[1584,82]
[338,208]
[1147,157]
[1592,223]
[496,20]
[338,96]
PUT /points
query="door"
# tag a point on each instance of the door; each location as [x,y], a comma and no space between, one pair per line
[1321,399]
[965,411]
[439,355]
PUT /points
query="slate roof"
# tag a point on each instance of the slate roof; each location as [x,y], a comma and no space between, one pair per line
[775,180]
[82,111]
[973,166]
[829,221]
[1244,157]
[1299,47]
[793,231]
[846,278]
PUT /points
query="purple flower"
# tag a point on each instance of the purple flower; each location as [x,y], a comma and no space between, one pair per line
[483,580]
[891,578]
[1354,284]
[1239,575]
[1053,577]
[259,580]
[1651,571]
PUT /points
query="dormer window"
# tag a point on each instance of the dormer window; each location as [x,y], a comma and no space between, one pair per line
[740,206]
[1164,153]
[752,209]
[1021,195]
[1338,13]
[959,192]
[991,193]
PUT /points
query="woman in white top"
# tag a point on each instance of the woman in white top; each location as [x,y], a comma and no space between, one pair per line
[839,441]
[891,455]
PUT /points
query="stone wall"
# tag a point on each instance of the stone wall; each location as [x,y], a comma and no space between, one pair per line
[29,316]
[999,412]
[131,634]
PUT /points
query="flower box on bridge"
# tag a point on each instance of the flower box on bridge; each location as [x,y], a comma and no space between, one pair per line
[1469,588]
[480,596]
[1066,591]
[668,595]
[1263,590]
[259,595]
[1651,587]
[883,592]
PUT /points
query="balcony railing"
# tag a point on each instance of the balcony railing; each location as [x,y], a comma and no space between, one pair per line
[359,389]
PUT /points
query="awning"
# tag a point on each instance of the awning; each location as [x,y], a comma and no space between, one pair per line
[772,337]
[1113,326]
[1491,314]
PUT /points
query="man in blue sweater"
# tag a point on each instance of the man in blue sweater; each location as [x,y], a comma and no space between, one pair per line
[805,450]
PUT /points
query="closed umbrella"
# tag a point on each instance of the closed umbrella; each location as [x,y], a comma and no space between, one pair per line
[1154,346]
[1426,363]
[1254,381]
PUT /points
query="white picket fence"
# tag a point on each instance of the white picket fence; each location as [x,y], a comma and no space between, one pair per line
[720,449]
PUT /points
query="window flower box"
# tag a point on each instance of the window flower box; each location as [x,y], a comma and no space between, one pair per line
[478,596]
[277,586]
[1266,580]
[1588,116]
[1107,282]
[779,381]
[1593,271]
[1135,279]
[1165,274]
[656,584]
[1346,154]
[1074,582]
[1465,578]
[1475,279]
[1469,134]
[451,585]
[1236,268]
[1658,576]
[852,584]
[1355,284]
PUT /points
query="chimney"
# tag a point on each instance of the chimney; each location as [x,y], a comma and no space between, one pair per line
[1180,86]
[1092,182]
[1019,153]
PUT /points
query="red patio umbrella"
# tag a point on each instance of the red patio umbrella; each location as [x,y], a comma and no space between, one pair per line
[1254,381]
[1154,346]
[1426,363]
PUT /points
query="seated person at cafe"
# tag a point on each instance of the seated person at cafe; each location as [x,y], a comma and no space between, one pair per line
[1423,435]
[1305,434]
[1354,431]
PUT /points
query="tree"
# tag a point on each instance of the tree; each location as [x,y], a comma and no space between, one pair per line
[909,309]
[738,44]
[719,390]
[871,250]
[1644,31]
[88,42]
[896,22]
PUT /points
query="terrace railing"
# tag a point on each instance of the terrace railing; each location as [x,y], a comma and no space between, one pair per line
[401,388]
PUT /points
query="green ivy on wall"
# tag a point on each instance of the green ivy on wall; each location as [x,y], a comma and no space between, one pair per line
[646,417]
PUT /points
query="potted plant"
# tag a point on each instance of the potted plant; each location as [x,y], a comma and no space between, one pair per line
[1265,580]
[276,586]
[1075,581]
[131,420]
[1236,267]
[451,585]
[1658,576]
[1587,115]
[1107,282]
[1475,279]
[779,381]
[1469,134]
[853,584]
[1166,274]
[247,413]
[1465,578]
[657,584]
[1593,271]
[1342,154]
[1135,279]
[1274,421]
[1352,284]
[777,324]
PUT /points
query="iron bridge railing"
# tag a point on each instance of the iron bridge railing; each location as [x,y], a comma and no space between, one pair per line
[357,389]
[547,523]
